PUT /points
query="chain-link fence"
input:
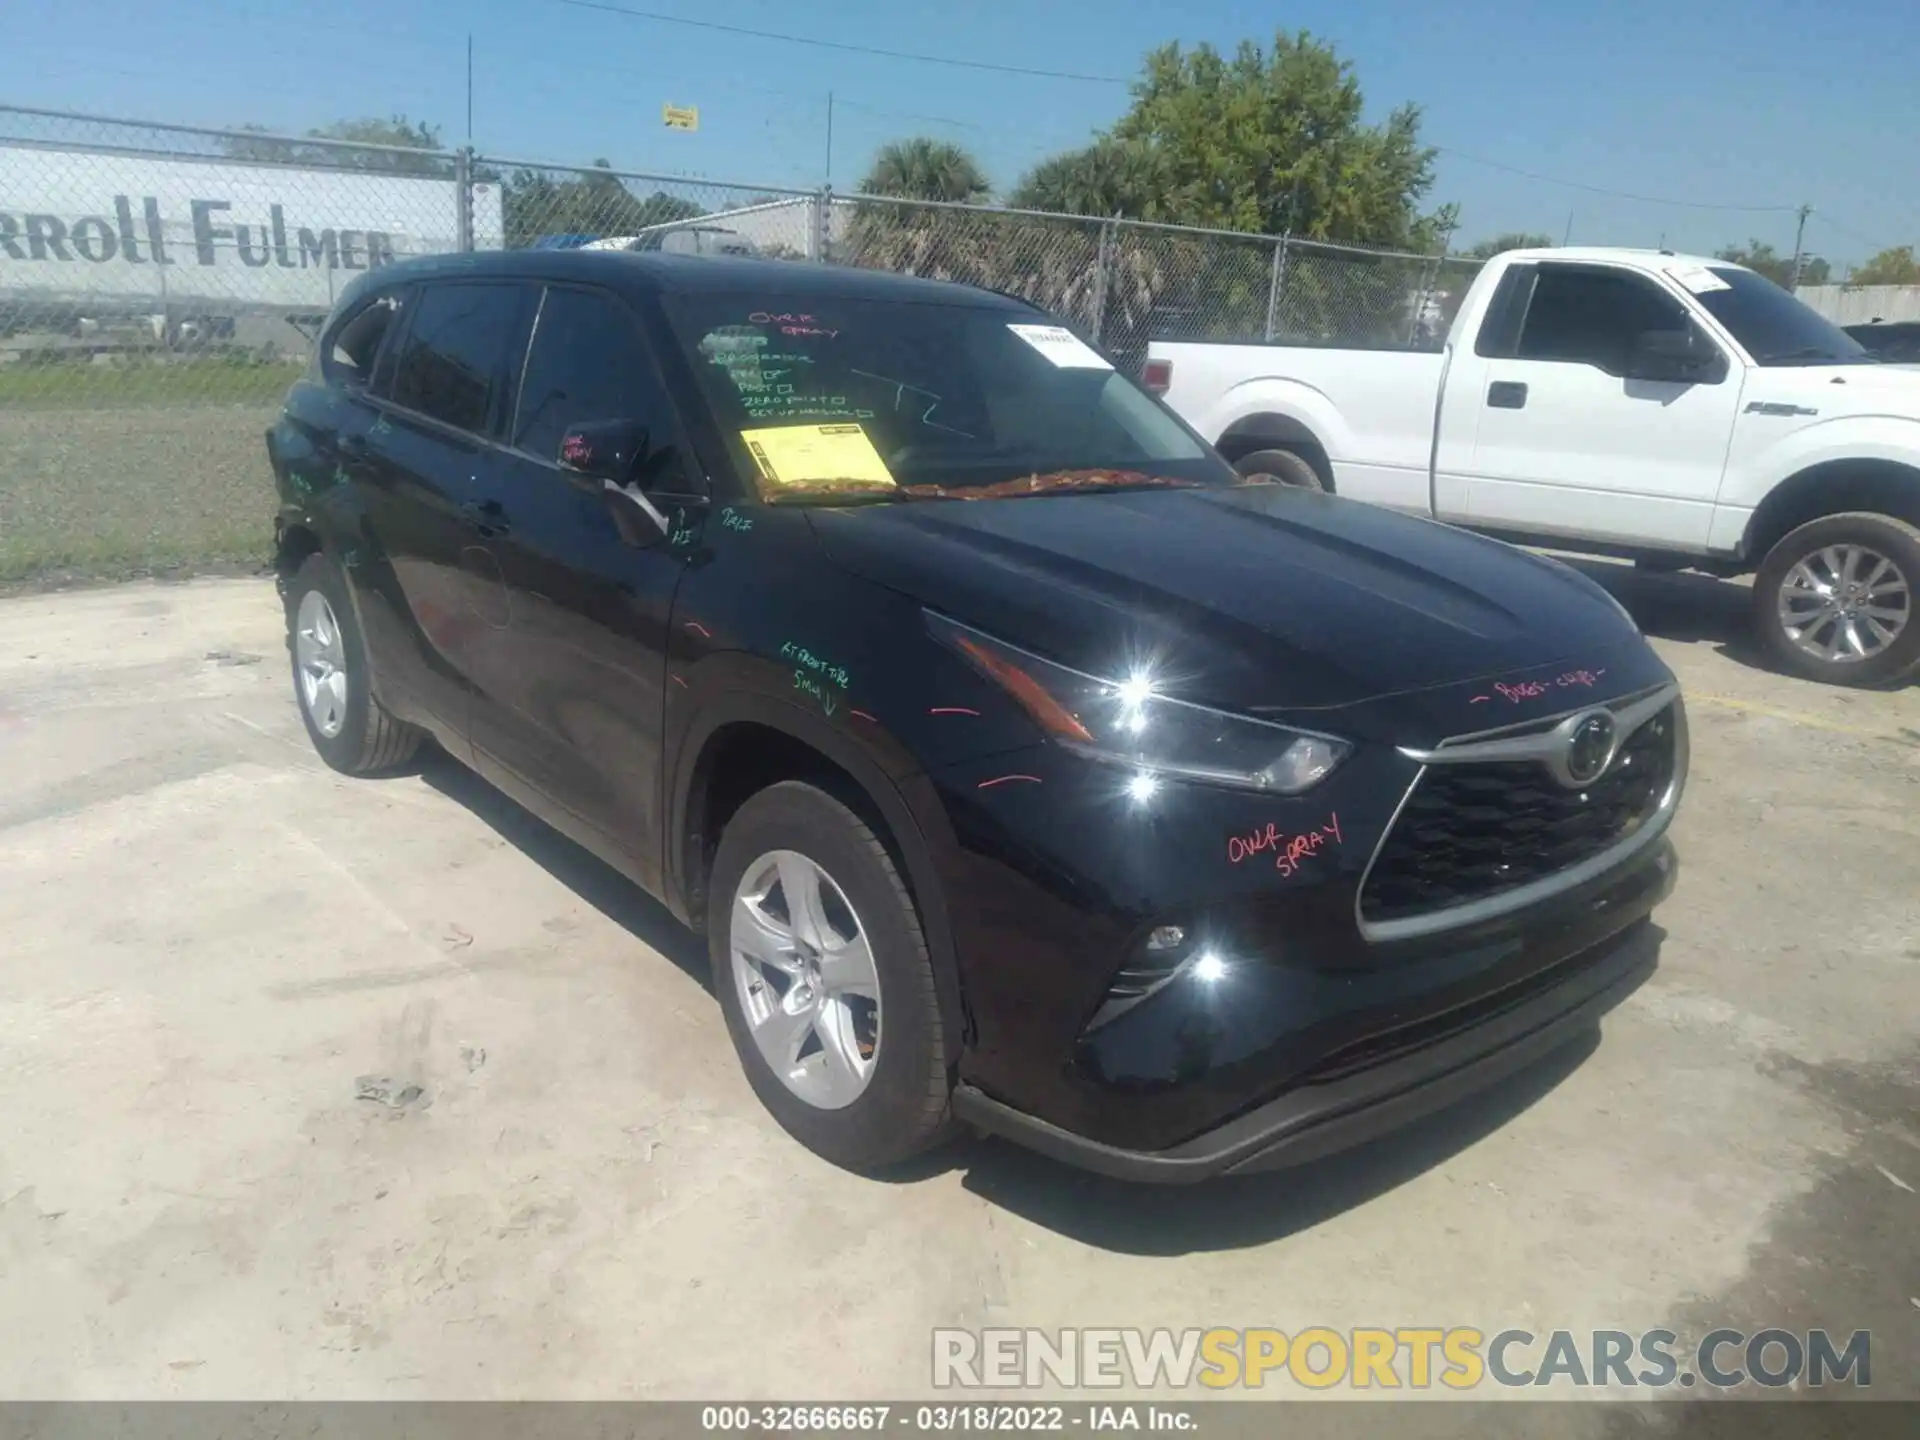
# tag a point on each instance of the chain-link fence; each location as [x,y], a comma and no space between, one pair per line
[160,287]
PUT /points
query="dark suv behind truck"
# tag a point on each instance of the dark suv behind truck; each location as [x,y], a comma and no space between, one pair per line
[1023,765]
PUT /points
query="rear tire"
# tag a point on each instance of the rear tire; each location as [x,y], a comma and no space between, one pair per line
[331,681]
[1286,467]
[1836,587]
[861,1111]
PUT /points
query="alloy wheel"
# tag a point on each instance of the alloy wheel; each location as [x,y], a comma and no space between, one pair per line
[320,660]
[805,975]
[1844,603]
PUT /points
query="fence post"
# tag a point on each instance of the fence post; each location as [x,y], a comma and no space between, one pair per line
[822,226]
[463,198]
[1100,264]
[1276,282]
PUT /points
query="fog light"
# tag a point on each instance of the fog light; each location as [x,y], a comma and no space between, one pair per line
[1166,937]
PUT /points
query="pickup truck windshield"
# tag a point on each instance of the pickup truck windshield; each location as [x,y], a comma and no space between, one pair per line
[1775,328]
[950,401]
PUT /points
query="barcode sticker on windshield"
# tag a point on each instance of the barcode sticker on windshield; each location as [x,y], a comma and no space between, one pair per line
[1697,278]
[1061,347]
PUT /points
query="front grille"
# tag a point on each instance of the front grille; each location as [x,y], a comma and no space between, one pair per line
[1470,831]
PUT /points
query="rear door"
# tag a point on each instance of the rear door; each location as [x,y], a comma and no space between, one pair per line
[570,700]
[1563,442]
[441,393]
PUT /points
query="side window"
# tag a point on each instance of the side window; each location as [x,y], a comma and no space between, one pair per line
[1592,317]
[588,362]
[452,361]
[350,351]
[1500,326]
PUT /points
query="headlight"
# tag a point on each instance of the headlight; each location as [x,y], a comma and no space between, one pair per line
[1129,722]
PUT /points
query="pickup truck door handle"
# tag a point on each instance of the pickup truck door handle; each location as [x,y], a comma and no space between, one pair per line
[1507,395]
[354,447]
[486,517]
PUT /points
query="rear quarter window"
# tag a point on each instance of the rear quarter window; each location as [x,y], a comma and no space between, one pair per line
[347,354]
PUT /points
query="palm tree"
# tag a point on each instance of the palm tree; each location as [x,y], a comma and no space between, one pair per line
[923,168]
[1107,178]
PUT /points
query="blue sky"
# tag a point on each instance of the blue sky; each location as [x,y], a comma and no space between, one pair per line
[1761,103]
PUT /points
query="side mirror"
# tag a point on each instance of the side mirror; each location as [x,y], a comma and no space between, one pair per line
[597,450]
[1685,357]
[608,458]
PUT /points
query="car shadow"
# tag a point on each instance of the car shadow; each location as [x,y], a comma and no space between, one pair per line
[585,874]
[1681,605]
[1687,606]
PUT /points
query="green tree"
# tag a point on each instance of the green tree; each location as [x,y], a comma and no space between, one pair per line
[922,168]
[1109,177]
[1508,240]
[1270,139]
[1895,266]
[396,130]
[594,202]
[1761,258]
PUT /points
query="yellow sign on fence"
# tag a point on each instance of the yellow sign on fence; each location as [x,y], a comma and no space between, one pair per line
[681,117]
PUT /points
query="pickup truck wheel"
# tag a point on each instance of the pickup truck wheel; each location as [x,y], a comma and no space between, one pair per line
[1834,600]
[1283,467]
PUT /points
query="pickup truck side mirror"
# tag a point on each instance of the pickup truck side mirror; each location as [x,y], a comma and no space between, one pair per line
[1685,357]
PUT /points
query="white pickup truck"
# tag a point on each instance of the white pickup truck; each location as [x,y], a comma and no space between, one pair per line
[1672,410]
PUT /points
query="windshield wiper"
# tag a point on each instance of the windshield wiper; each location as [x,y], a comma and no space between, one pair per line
[1055,482]
[864,493]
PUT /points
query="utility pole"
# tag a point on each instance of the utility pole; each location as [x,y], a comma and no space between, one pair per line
[1799,249]
[1567,239]
[829,177]
[469,87]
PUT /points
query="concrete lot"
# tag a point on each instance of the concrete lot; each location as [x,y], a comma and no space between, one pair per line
[207,940]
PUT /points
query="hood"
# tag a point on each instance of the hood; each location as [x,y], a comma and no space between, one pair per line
[1846,389]
[1257,598]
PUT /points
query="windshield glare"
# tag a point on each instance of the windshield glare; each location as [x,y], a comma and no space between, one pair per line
[1773,327]
[957,400]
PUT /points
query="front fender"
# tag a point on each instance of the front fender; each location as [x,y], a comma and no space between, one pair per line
[1757,471]
[733,688]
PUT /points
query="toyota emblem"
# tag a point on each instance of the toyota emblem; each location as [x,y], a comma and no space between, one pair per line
[1590,748]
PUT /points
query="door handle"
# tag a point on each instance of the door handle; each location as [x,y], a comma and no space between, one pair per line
[1507,395]
[486,517]
[354,447]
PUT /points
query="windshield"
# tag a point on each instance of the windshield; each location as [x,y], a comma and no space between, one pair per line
[825,400]
[1772,326]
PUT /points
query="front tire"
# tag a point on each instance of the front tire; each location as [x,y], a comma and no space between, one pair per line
[331,681]
[1834,600]
[826,982]
[1284,467]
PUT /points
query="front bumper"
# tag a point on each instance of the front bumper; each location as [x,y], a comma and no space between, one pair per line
[1079,1040]
[1493,1040]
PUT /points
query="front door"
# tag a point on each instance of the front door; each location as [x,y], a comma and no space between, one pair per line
[1564,443]
[570,702]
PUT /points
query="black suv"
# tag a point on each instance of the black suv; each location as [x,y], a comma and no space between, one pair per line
[1024,766]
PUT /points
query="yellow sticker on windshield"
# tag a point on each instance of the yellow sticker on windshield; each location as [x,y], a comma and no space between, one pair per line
[816,457]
